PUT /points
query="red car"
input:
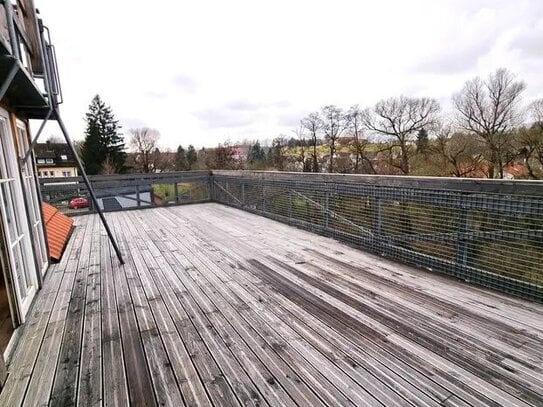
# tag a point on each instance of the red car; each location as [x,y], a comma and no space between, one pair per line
[77,203]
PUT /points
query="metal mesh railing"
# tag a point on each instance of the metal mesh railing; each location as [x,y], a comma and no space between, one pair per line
[124,192]
[485,232]
[488,232]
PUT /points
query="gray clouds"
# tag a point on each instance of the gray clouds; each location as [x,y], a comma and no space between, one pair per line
[239,113]
[237,72]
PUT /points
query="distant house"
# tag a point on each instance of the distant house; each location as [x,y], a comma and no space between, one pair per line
[239,153]
[515,171]
[512,171]
[55,160]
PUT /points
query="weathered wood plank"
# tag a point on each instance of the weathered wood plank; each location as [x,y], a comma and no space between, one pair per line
[183,371]
[213,379]
[216,306]
[167,391]
[234,371]
[140,387]
[211,221]
[245,336]
[276,345]
[224,258]
[22,366]
[275,324]
[39,388]
[115,390]
[90,383]
[64,390]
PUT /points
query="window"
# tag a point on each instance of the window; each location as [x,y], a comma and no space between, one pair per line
[49,160]
[66,173]
[64,157]
[41,161]
[51,173]
[39,173]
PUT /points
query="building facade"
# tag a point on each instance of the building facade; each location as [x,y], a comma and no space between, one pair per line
[23,247]
[55,160]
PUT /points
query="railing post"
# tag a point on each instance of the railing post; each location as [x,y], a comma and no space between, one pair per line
[176,192]
[377,220]
[290,203]
[326,211]
[138,198]
[462,246]
[263,198]
[242,194]
[211,186]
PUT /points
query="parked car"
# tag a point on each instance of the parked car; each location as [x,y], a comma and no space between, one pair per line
[77,203]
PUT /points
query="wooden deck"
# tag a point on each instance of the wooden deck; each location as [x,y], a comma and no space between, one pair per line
[216,306]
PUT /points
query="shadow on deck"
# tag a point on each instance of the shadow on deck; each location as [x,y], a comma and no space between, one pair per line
[216,306]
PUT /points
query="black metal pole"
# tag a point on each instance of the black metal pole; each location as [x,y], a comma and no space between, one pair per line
[9,79]
[89,186]
[35,140]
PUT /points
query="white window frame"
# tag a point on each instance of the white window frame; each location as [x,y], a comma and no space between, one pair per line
[20,246]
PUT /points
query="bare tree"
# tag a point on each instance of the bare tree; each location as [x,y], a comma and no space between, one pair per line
[530,140]
[334,125]
[143,141]
[489,108]
[162,161]
[358,145]
[222,157]
[313,124]
[462,156]
[400,119]
[535,111]
[530,147]
[107,166]
[300,136]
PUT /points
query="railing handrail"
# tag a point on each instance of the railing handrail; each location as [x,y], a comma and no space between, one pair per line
[533,188]
[143,177]
[483,185]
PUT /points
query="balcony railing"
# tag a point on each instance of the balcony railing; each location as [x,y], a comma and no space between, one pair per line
[488,232]
[28,67]
[125,192]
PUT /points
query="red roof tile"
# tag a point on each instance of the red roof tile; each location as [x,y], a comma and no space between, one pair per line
[59,227]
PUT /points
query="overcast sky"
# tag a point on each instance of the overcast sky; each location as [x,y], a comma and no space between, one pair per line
[204,71]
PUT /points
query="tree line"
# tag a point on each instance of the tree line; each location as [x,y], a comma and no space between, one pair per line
[488,133]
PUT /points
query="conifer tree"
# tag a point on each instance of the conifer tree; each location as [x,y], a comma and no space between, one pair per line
[180,159]
[103,142]
[192,157]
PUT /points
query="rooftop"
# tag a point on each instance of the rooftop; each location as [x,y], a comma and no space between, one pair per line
[218,306]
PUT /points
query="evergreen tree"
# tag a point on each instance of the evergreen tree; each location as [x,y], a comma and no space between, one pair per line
[103,142]
[181,159]
[192,157]
[422,141]
[256,154]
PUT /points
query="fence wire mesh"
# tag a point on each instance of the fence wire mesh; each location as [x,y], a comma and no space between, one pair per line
[124,192]
[492,239]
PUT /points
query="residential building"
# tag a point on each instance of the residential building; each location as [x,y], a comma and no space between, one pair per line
[23,256]
[55,160]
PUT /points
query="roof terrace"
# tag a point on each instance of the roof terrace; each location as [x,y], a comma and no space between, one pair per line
[217,305]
